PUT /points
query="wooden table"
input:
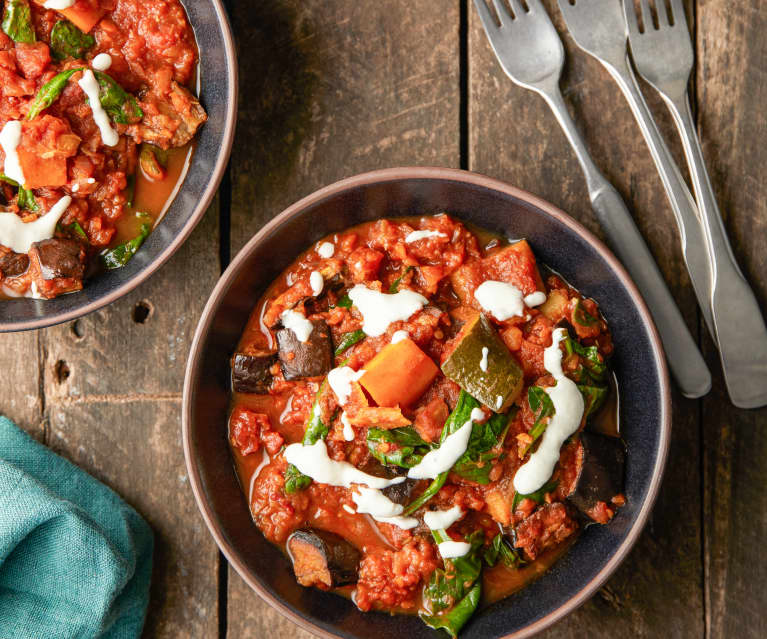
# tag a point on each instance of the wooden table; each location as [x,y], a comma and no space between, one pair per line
[330,88]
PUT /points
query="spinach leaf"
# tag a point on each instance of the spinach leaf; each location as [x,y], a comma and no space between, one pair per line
[483,447]
[394,288]
[453,593]
[349,339]
[49,92]
[593,398]
[76,229]
[121,254]
[130,189]
[460,415]
[593,364]
[120,105]
[543,409]
[295,480]
[501,549]
[538,496]
[17,21]
[582,316]
[67,41]
[26,200]
[456,618]
[344,302]
[397,447]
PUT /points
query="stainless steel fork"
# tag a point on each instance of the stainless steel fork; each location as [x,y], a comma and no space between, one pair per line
[663,56]
[599,28]
[531,53]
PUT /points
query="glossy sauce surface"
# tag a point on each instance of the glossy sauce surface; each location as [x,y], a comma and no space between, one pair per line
[330,513]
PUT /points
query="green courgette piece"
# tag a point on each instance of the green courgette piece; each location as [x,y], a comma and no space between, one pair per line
[501,384]
[50,92]
[460,415]
[349,339]
[17,21]
[121,254]
[67,41]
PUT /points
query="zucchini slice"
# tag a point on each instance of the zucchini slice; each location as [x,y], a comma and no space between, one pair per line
[491,376]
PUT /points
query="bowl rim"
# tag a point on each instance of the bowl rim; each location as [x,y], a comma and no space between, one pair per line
[199,210]
[429,173]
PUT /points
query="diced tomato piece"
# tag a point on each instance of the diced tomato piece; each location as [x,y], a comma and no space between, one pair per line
[32,58]
[247,429]
[364,264]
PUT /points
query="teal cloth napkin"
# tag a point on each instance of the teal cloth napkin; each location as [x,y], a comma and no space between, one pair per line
[75,559]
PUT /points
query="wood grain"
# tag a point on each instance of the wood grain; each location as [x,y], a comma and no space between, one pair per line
[336,89]
[514,136]
[112,389]
[732,64]
[20,396]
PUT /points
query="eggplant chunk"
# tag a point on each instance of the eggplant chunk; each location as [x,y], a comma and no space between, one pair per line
[401,493]
[312,358]
[322,559]
[12,264]
[600,473]
[59,258]
[250,371]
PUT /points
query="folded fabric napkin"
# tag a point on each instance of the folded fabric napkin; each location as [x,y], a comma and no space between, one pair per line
[75,559]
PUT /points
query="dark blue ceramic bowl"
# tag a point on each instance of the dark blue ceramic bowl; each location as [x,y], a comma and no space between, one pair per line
[559,242]
[218,94]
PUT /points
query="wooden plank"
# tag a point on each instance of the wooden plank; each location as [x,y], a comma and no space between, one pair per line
[514,136]
[112,384]
[732,63]
[20,397]
[335,89]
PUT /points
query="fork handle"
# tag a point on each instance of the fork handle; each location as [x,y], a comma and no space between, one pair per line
[686,362]
[685,211]
[740,328]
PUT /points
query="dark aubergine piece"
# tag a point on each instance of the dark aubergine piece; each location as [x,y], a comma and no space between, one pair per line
[250,371]
[59,258]
[322,559]
[401,493]
[600,476]
[13,264]
[312,358]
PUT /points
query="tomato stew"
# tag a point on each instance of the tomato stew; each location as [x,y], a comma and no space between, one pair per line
[418,418]
[97,121]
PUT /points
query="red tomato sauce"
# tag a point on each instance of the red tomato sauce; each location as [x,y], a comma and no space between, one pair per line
[396,564]
[118,192]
